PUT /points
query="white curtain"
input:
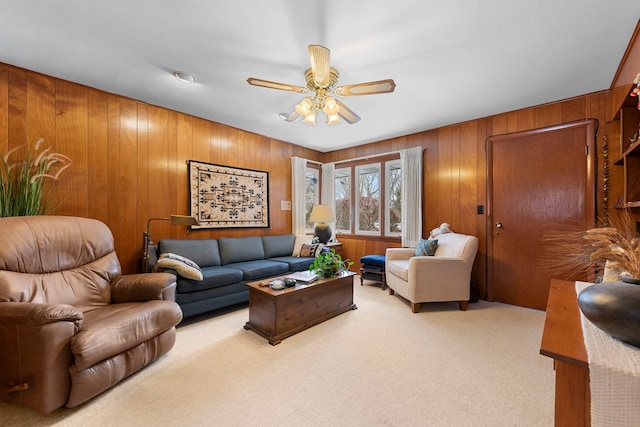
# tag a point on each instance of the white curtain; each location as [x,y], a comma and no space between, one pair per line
[411,159]
[298,188]
[327,195]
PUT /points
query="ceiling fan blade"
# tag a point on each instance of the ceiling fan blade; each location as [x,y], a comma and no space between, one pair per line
[319,59]
[369,88]
[347,114]
[291,117]
[276,85]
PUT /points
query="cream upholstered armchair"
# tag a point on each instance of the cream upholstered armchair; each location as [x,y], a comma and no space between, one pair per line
[444,276]
[71,325]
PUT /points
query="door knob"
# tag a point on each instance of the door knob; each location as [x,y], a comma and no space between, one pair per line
[498,225]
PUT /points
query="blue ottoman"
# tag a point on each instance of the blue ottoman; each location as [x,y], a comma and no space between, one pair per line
[373,268]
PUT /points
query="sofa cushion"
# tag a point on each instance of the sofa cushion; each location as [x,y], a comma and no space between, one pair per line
[311,250]
[212,277]
[301,240]
[399,268]
[102,337]
[204,252]
[295,263]
[183,266]
[260,269]
[275,246]
[240,249]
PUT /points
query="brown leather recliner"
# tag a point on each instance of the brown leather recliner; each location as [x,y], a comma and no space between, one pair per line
[71,325]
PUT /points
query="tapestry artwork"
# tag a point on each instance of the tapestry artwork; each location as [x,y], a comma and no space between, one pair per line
[226,197]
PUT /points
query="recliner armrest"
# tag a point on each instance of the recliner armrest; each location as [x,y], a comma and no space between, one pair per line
[144,287]
[35,314]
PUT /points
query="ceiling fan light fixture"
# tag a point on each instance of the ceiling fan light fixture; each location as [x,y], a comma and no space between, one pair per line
[322,80]
[331,107]
[185,77]
[304,107]
[310,118]
[333,119]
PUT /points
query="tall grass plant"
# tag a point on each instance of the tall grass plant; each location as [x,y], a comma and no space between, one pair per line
[26,175]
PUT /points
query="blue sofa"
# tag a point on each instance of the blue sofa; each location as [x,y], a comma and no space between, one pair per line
[227,264]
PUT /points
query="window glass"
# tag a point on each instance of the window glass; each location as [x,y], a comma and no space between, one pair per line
[342,188]
[368,202]
[393,187]
[312,194]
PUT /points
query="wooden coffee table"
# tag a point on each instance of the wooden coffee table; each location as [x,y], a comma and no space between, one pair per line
[278,314]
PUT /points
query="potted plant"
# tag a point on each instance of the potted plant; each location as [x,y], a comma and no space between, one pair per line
[25,172]
[330,264]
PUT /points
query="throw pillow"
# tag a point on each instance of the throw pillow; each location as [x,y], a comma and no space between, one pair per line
[300,240]
[310,250]
[427,247]
[183,266]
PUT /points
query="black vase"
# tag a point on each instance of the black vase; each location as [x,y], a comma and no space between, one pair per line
[613,307]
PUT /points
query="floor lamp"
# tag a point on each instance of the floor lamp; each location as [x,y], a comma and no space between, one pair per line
[146,236]
[321,215]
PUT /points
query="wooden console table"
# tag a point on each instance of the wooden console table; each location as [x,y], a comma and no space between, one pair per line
[563,341]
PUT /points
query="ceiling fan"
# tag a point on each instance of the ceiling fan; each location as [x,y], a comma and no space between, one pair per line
[321,81]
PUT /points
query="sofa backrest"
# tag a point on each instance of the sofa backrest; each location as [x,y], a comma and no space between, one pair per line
[277,246]
[57,260]
[204,252]
[457,246]
[239,249]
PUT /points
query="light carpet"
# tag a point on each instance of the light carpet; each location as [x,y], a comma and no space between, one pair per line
[379,365]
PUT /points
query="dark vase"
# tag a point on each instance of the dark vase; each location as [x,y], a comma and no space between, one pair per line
[613,307]
[632,280]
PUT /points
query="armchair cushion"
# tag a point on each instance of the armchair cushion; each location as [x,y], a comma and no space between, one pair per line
[427,247]
[102,337]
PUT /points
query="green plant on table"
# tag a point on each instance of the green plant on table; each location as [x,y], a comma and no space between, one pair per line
[25,172]
[329,264]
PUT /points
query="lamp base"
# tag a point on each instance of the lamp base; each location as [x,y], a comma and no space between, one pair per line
[323,232]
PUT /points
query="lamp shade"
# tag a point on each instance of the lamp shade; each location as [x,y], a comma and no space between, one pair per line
[322,213]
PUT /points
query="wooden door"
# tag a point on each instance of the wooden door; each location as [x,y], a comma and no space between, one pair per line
[536,180]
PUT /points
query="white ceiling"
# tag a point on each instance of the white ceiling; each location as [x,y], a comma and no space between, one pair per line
[452,61]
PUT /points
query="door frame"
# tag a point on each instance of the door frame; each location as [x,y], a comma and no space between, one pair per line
[592,161]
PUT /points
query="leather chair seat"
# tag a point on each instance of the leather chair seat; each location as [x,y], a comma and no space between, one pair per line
[102,334]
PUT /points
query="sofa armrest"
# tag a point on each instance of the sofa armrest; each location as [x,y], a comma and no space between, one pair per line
[144,287]
[399,253]
[34,314]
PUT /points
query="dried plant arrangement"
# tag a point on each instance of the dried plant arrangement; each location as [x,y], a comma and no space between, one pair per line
[618,243]
[580,252]
[25,172]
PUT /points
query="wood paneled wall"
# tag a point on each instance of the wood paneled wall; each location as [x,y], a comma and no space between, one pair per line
[455,169]
[130,158]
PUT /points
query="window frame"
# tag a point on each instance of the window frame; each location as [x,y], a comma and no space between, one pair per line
[352,164]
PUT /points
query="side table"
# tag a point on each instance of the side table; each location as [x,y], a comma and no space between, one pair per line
[336,246]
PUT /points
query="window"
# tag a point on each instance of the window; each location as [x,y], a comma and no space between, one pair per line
[375,208]
[312,194]
[368,199]
[393,205]
[342,189]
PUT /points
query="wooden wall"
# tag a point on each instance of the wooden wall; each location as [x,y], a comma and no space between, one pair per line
[455,169]
[129,158]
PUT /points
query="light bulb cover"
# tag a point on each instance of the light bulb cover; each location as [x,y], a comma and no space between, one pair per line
[310,118]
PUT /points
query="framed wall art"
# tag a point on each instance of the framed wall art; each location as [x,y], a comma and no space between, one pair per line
[227,197]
